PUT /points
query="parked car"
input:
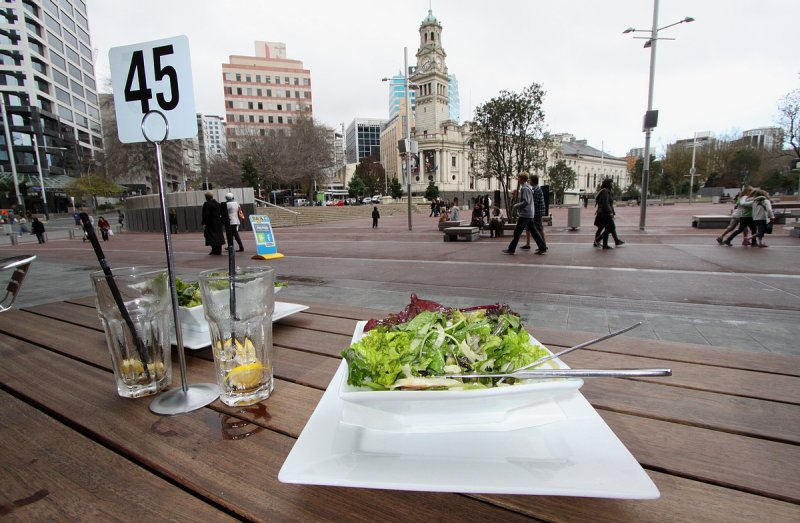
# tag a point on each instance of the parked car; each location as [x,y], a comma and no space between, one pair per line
[300,202]
[336,203]
[376,199]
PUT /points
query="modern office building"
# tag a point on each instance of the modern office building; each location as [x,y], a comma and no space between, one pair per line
[363,139]
[767,138]
[455,100]
[49,97]
[397,95]
[211,139]
[264,94]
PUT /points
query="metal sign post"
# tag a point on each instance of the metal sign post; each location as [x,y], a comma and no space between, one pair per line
[160,71]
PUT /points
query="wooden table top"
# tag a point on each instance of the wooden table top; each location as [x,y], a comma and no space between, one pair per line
[720,438]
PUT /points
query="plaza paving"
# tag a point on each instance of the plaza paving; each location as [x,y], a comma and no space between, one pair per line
[672,277]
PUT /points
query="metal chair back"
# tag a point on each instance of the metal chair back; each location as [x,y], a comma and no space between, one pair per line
[18,265]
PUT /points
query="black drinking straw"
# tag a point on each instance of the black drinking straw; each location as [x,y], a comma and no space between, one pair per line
[231,264]
[112,285]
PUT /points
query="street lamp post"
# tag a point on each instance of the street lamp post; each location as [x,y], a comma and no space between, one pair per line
[41,178]
[650,116]
[692,171]
[408,134]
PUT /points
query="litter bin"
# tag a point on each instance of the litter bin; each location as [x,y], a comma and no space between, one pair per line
[715,199]
[574,217]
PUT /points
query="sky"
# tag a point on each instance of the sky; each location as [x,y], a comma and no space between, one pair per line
[724,73]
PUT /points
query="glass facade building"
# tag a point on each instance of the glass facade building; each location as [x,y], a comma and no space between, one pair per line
[455,103]
[363,139]
[49,94]
[397,95]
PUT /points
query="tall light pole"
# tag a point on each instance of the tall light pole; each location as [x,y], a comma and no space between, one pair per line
[11,159]
[408,133]
[41,178]
[651,116]
[692,171]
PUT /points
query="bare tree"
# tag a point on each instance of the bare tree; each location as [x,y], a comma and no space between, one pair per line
[789,120]
[509,136]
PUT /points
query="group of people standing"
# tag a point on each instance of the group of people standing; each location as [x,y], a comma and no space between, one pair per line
[752,212]
[217,217]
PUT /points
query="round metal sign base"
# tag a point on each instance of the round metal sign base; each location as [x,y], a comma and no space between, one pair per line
[178,401]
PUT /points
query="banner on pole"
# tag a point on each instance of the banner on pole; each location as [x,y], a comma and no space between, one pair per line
[266,246]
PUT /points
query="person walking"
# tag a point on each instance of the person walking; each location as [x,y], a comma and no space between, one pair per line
[104,227]
[376,214]
[120,219]
[212,224]
[762,211]
[736,216]
[173,221]
[230,216]
[38,229]
[604,220]
[539,204]
[746,221]
[525,208]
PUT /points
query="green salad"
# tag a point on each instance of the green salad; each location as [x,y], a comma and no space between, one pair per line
[420,352]
[189,292]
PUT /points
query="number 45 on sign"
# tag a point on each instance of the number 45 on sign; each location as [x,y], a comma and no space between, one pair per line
[153,76]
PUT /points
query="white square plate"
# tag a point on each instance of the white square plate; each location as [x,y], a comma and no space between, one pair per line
[201,338]
[561,448]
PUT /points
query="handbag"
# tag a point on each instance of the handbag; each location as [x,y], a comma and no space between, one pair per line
[241,214]
[768,229]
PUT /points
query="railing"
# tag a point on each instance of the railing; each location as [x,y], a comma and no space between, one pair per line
[279,208]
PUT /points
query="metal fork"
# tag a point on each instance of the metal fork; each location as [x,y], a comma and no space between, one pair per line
[571,373]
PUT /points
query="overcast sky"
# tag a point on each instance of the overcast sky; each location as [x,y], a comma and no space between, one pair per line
[723,73]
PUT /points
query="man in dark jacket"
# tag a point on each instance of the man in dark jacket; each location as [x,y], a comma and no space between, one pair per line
[212,224]
[604,219]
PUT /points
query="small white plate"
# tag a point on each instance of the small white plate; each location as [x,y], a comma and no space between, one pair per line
[577,455]
[201,338]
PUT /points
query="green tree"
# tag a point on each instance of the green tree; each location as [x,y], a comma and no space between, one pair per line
[94,185]
[431,191]
[395,189]
[356,187]
[508,135]
[249,172]
[561,177]
[655,167]
[372,174]
[743,164]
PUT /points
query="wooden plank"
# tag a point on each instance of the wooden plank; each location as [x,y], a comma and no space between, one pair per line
[319,322]
[735,382]
[338,310]
[722,357]
[681,500]
[757,466]
[52,473]
[192,450]
[310,340]
[70,312]
[746,416]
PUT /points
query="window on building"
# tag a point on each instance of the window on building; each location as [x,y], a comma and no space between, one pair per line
[268,79]
[229,90]
[280,119]
[249,105]
[280,107]
[238,77]
[258,92]
[307,94]
[288,94]
[277,79]
[269,92]
[452,161]
[258,78]
[239,91]
[260,105]
[270,119]
[247,78]
[288,107]
[252,118]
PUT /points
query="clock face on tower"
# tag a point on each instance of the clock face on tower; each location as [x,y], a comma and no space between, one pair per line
[426,65]
[438,63]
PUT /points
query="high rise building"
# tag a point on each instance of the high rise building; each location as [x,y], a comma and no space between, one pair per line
[264,94]
[397,95]
[363,139]
[49,95]
[211,138]
[455,100]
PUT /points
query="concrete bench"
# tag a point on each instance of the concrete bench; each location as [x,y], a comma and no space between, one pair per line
[711,221]
[450,223]
[795,231]
[782,216]
[469,234]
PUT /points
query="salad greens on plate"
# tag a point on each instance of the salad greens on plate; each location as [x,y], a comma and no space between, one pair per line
[418,347]
[189,292]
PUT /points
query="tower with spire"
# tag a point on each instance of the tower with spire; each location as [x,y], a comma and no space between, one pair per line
[432,101]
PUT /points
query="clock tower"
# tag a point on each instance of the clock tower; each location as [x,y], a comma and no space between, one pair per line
[432,99]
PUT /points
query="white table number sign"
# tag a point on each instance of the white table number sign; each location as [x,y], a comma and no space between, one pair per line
[153,76]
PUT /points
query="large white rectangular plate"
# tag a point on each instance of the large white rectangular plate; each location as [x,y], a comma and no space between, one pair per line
[576,455]
[200,339]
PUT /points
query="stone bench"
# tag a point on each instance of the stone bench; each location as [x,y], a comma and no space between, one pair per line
[782,216]
[469,234]
[450,223]
[711,221]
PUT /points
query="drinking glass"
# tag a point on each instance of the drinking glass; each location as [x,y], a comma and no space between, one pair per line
[141,358]
[239,313]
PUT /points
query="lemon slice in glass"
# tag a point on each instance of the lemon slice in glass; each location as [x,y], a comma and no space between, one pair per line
[132,365]
[245,377]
